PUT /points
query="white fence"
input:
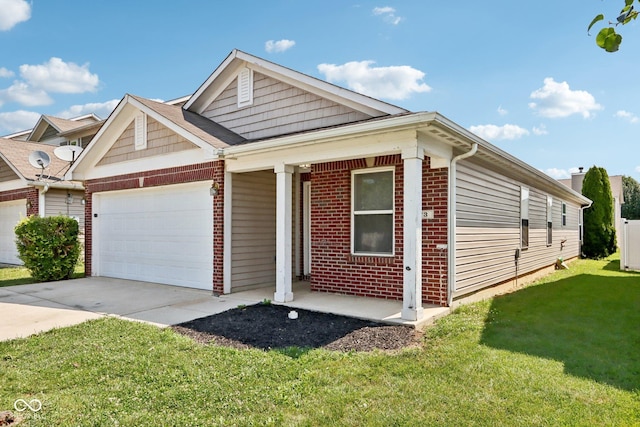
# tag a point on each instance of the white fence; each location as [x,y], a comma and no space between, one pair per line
[630,247]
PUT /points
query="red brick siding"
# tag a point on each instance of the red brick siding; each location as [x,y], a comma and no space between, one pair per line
[334,269]
[28,194]
[201,172]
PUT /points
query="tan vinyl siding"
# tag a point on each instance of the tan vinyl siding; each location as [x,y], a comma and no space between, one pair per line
[253,241]
[6,173]
[56,204]
[488,229]
[160,140]
[277,109]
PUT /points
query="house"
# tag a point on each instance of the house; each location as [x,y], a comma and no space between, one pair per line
[266,175]
[575,183]
[26,190]
[58,131]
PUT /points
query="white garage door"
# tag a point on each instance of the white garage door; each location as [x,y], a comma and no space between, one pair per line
[162,235]
[10,214]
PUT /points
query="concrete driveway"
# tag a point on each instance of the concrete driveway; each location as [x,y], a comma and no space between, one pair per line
[30,309]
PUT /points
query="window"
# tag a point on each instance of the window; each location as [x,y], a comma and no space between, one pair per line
[372,211]
[245,87]
[549,220]
[524,217]
[140,131]
[564,214]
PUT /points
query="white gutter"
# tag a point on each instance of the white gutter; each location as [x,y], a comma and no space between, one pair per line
[451,228]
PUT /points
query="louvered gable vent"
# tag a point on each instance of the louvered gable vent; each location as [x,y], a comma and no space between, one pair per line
[245,87]
[140,129]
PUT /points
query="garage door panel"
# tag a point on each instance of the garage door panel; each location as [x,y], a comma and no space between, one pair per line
[10,214]
[162,235]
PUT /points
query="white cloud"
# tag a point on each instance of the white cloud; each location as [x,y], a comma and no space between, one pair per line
[558,173]
[100,109]
[24,94]
[13,12]
[638,169]
[557,100]
[278,46]
[18,120]
[4,73]
[61,77]
[502,111]
[630,117]
[388,13]
[395,82]
[495,133]
[540,130]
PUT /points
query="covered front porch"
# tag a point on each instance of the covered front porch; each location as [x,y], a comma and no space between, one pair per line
[374,309]
[408,272]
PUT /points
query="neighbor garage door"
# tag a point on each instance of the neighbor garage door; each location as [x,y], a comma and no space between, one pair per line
[10,214]
[161,234]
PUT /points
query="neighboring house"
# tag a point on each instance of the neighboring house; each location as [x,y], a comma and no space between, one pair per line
[57,131]
[265,174]
[575,183]
[26,190]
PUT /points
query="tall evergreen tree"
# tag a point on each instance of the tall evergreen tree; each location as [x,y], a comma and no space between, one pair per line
[631,194]
[599,231]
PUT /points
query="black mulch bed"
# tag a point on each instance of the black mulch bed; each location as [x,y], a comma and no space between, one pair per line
[267,326]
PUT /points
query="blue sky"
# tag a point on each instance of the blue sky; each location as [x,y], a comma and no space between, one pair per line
[523,75]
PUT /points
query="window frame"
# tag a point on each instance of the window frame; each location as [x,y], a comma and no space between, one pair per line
[525,196]
[563,214]
[549,220]
[391,211]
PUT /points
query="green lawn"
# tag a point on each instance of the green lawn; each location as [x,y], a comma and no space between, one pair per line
[565,351]
[10,276]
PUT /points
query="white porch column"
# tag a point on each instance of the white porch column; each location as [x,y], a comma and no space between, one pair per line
[412,234]
[284,291]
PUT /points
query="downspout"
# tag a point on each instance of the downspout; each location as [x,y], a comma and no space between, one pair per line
[582,208]
[451,228]
[42,200]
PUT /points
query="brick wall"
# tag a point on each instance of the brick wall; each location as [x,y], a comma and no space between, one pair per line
[28,194]
[201,172]
[335,269]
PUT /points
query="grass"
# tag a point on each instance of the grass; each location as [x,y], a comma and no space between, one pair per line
[561,352]
[11,276]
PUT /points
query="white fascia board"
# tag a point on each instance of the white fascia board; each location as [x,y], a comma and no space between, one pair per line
[330,91]
[351,147]
[90,156]
[413,121]
[36,129]
[174,127]
[113,128]
[517,165]
[227,72]
[60,185]
[15,184]
[205,86]
[169,160]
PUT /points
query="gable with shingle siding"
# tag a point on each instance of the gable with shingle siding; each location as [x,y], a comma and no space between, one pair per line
[160,140]
[278,109]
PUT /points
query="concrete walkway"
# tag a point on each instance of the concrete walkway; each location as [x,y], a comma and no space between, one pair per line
[30,309]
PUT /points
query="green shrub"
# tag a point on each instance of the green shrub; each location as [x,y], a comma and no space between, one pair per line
[49,247]
[599,230]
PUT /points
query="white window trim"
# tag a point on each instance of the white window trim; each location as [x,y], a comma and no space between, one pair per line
[563,214]
[549,220]
[245,81]
[524,214]
[391,211]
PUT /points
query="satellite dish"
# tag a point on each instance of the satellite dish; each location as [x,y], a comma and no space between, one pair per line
[39,159]
[68,153]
